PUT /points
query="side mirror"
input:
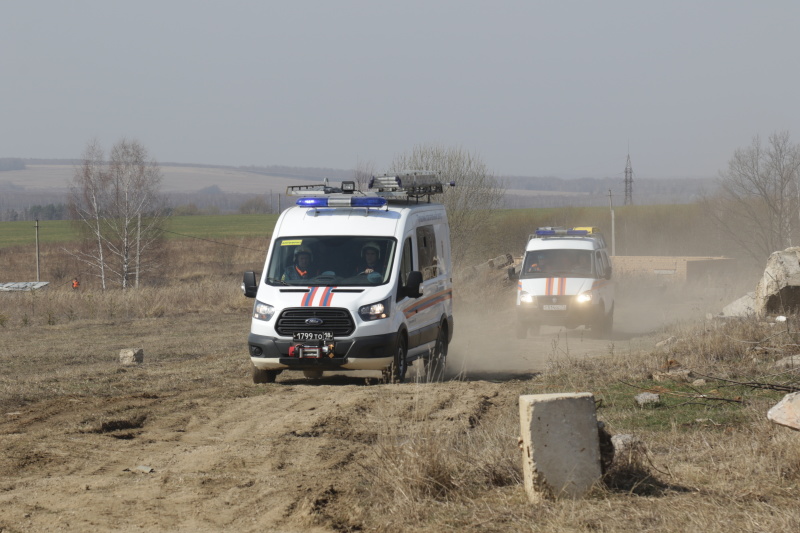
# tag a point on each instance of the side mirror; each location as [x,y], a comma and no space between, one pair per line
[250,284]
[413,284]
[512,274]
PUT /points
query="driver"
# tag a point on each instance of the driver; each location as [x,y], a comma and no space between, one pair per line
[370,257]
[301,267]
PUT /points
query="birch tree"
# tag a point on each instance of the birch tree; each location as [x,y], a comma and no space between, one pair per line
[469,204]
[88,195]
[118,201]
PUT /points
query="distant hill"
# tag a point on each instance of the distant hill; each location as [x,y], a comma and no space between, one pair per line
[555,192]
[29,182]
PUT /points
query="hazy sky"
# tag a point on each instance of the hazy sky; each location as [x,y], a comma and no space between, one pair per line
[535,88]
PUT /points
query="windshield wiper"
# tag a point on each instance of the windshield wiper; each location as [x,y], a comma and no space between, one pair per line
[277,281]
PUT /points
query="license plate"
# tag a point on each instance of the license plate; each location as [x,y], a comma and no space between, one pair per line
[301,336]
[562,307]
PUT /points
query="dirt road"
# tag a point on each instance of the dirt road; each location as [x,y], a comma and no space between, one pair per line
[184,442]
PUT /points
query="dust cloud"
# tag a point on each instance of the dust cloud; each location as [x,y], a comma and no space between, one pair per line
[484,345]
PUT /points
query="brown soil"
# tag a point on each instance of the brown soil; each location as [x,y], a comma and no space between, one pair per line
[185,441]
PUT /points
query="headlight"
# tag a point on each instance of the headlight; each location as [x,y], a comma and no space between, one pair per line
[263,311]
[584,297]
[374,311]
[527,298]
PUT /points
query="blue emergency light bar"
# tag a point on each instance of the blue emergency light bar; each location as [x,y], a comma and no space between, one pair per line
[353,201]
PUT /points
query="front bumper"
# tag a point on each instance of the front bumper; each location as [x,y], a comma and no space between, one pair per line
[575,314]
[374,352]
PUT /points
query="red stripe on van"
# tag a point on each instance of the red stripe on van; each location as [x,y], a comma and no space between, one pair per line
[308,298]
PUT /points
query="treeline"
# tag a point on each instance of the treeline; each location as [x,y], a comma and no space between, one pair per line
[208,203]
[11,163]
[644,186]
[36,212]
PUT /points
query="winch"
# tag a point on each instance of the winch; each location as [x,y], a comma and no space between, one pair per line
[312,352]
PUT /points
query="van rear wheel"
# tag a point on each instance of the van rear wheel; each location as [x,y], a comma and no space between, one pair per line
[438,359]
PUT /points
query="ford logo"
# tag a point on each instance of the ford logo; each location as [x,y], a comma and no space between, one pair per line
[314,321]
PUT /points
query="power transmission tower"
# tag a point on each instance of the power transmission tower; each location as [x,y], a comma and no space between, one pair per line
[628,182]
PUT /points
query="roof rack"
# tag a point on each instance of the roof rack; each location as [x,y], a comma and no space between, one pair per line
[403,186]
[406,185]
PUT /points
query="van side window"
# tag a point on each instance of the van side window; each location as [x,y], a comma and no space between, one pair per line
[407,264]
[426,247]
[600,264]
[607,261]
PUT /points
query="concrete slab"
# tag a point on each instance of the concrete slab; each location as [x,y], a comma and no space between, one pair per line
[560,445]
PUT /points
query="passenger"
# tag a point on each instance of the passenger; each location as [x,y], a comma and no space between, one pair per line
[584,264]
[538,264]
[562,263]
[370,259]
[302,266]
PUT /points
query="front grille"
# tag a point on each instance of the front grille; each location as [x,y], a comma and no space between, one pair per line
[334,319]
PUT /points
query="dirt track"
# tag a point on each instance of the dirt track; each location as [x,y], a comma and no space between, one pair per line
[185,442]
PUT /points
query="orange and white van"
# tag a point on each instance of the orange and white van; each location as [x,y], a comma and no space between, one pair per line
[565,280]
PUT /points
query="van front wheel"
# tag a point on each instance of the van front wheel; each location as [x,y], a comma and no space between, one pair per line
[264,376]
[396,373]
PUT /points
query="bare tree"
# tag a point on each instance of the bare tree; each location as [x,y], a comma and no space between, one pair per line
[363,173]
[759,196]
[118,202]
[88,195]
[477,191]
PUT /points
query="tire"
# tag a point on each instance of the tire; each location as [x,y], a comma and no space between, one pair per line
[604,324]
[264,376]
[396,373]
[437,361]
[608,325]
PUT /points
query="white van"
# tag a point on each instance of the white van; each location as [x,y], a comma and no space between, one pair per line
[565,280]
[355,281]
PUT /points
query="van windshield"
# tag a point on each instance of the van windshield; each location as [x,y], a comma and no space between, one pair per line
[558,263]
[333,260]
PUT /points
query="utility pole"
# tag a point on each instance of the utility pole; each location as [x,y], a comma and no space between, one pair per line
[37,249]
[613,244]
[628,182]
[138,248]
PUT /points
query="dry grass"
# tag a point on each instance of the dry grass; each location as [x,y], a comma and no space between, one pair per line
[709,465]
[715,466]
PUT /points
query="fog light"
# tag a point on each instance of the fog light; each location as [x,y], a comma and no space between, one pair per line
[256,351]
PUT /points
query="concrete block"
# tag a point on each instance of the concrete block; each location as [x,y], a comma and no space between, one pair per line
[560,445]
[130,356]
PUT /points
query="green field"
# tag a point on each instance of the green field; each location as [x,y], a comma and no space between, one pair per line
[207,227]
